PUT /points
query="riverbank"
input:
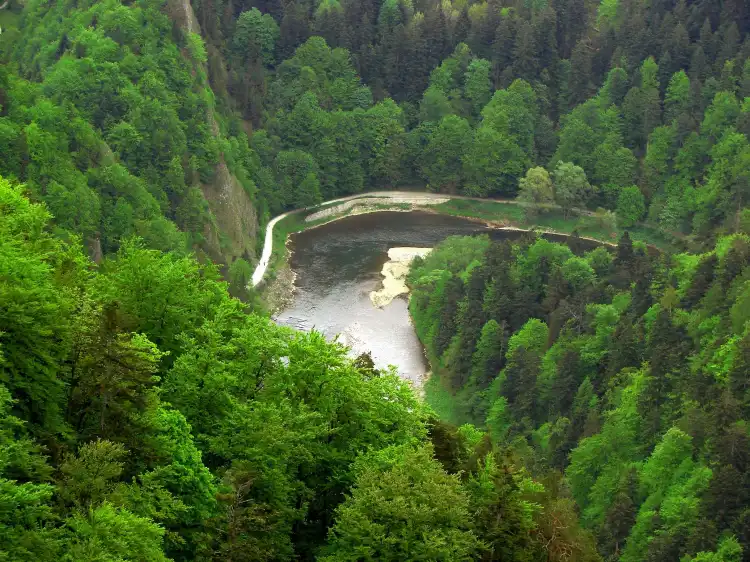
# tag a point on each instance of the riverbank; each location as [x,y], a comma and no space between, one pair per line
[273,271]
[375,203]
[278,281]
[508,214]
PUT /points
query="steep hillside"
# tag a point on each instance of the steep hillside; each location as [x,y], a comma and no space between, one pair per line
[624,369]
[110,120]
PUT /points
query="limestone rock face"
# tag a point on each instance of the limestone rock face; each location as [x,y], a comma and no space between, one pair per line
[236,218]
[234,231]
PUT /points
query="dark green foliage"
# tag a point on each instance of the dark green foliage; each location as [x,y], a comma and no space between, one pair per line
[146,416]
[636,395]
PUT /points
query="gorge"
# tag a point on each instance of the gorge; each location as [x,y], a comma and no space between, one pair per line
[165,394]
[338,265]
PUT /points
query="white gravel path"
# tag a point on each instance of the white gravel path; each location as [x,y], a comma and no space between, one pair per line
[384,197]
[370,198]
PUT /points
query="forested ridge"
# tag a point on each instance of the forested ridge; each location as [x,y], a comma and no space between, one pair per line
[146,415]
[290,104]
[466,97]
[598,401]
[622,372]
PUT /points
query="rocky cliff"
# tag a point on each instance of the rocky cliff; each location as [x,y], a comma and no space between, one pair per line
[233,230]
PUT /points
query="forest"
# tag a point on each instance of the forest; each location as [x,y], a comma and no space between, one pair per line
[622,373]
[125,121]
[597,399]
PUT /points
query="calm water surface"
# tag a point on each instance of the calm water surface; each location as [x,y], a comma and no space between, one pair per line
[339,264]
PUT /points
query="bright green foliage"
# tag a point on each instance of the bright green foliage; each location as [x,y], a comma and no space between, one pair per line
[393,11]
[594,483]
[403,507]
[34,309]
[90,476]
[325,72]
[255,36]
[438,304]
[161,295]
[197,48]
[445,148]
[728,551]
[534,266]
[487,358]
[677,99]
[672,484]
[578,273]
[600,379]
[615,168]
[315,428]
[492,164]
[577,143]
[112,382]
[519,378]
[572,189]
[501,510]
[240,273]
[631,206]
[533,336]
[477,85]
[25,505]
[512,112]
[181,470]
[434,105]
[536,189]
[81,132]
[450,74]
[92,95]
[278,417]
[623,370]
[109,533]
[607,11]
[499,420]
[658,156]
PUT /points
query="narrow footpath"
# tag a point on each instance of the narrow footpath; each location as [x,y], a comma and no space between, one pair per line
[389,197]
[414,196]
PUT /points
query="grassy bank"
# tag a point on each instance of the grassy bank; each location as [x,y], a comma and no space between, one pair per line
[510,214]
[587,226]
[286,226]
[497,213]
[442,401]
[494,211]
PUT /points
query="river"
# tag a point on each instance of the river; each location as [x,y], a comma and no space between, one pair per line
[337,265]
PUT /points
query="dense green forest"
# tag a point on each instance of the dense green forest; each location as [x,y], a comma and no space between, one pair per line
[145,415]
[625,371]
[125,120]
[599,399]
